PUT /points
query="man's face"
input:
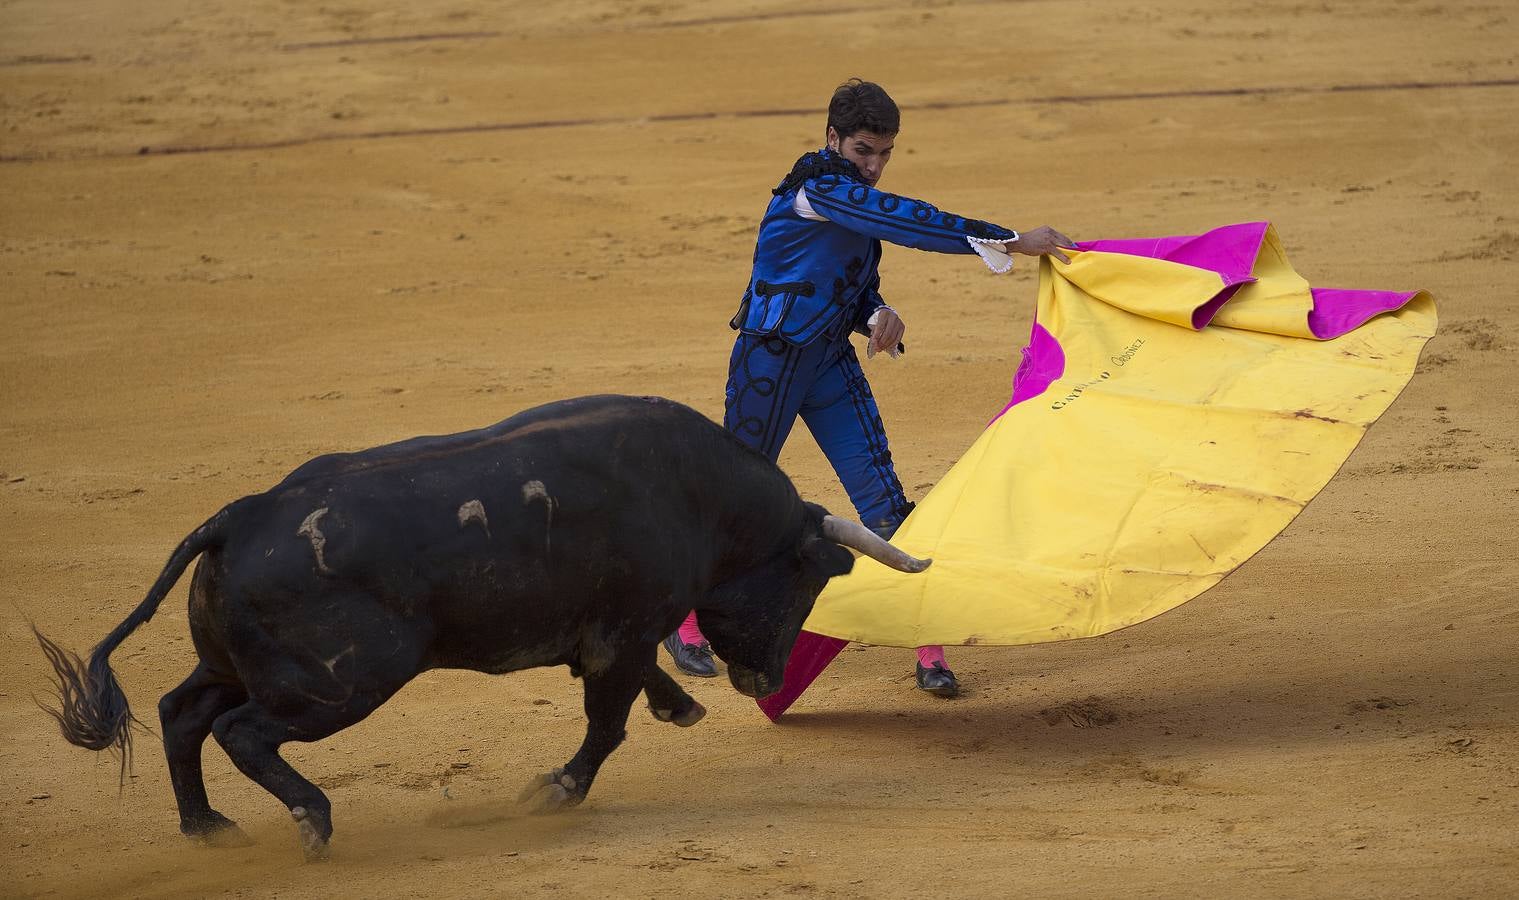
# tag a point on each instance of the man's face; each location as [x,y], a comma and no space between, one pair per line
[866,149]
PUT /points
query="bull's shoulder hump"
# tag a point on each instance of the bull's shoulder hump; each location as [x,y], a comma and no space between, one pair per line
[603,411]
[601,406]
[581,414]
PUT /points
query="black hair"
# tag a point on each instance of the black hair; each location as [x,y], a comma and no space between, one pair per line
[863,106]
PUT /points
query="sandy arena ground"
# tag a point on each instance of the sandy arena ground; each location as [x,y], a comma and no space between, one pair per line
[235,235]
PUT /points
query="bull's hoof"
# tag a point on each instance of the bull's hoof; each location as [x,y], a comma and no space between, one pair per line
[219,832]
[691,716]
[686,719]
[550,792]
[313,846]
[226,838]
[550,798]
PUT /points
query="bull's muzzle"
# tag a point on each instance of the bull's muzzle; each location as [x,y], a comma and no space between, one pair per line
[751,683]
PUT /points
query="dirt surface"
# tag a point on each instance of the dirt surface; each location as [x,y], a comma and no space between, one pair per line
[233,236]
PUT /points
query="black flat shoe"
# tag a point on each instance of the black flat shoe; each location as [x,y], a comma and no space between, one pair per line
[938,681]
[693,659]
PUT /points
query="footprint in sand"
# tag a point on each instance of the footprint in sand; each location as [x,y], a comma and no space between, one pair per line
[1504,246]
[1478,334]
[1093,712]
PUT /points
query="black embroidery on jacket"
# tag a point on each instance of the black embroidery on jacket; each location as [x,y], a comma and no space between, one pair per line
[986,230]
[766,289]
[842,295]
[817,165]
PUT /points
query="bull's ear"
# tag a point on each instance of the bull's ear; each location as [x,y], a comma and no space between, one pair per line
[829,558]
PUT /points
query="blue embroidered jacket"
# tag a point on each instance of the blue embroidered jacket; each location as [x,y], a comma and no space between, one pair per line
[812,278]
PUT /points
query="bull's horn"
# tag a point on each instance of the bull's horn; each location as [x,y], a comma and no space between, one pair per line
[852,534]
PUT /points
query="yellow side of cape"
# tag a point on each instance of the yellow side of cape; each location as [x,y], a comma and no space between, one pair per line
[1161,459]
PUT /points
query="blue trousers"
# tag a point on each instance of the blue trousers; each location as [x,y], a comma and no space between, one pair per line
[771,382]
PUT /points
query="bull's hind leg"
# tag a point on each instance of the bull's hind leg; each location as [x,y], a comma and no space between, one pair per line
[668,701]
[186,714]
[294,701]
[316,679]
[609,694]
[252,736]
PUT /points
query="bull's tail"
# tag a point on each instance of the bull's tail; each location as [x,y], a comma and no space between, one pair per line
[92,710]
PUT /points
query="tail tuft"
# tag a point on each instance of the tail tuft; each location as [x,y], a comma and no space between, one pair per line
[92,710]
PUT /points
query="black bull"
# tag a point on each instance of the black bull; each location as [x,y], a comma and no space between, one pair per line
[577,533]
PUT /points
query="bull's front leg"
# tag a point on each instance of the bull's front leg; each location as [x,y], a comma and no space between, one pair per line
[609,694]
[668,701]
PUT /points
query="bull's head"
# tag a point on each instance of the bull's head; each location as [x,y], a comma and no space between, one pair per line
[753,620]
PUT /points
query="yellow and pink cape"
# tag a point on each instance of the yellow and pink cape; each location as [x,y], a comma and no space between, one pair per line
[1181,399]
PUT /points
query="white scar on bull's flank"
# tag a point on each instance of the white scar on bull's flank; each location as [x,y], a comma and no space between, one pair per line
[534,490]
[474,511]
[310,532]
[332,663]
[345,687]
